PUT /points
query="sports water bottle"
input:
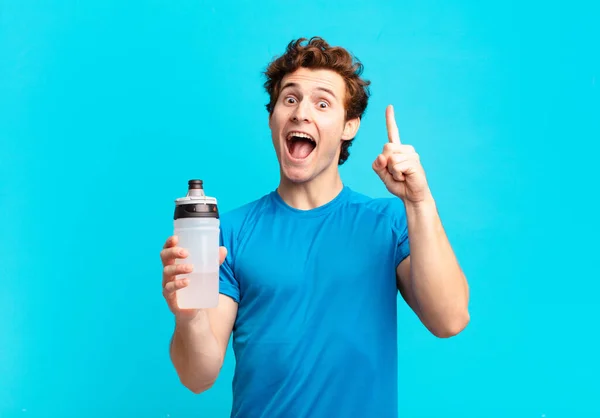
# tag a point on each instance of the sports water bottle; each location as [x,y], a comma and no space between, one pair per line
[196,224]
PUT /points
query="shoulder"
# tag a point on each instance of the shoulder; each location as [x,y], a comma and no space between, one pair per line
[391,208]
[234,221]
[387,215]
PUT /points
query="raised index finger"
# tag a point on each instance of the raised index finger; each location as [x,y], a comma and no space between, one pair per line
[392,128]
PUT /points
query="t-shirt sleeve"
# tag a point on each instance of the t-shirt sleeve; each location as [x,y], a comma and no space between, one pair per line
[228,284]
[399,231]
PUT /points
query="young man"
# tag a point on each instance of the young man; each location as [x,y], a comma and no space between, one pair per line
[310,272]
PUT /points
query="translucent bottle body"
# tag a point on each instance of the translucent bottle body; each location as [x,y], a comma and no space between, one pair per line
[200,237]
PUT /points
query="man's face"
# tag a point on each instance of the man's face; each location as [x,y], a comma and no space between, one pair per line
[308,123]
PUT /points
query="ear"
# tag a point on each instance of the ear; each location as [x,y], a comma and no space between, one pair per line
[350,129]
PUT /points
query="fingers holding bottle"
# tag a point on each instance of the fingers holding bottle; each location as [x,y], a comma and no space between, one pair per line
[171,252]
[170,255]
[174,267]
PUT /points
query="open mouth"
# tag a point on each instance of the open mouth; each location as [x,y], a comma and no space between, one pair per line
[300,145]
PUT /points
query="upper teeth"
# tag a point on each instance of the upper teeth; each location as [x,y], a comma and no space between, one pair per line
[299,135]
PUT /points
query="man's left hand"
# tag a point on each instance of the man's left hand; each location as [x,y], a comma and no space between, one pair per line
[399,166]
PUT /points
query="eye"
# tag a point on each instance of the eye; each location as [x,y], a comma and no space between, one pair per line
[323,104]
[290,100]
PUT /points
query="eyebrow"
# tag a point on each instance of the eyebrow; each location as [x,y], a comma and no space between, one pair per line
[292,84]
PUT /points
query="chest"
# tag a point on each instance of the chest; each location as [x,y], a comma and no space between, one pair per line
[316,258]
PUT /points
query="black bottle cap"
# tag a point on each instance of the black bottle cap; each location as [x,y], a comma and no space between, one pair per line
[195,184]
[196,204]
[196,210]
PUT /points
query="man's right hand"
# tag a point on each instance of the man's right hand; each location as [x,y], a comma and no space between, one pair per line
[169,254]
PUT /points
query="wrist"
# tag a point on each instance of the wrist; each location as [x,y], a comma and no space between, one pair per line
[422,207]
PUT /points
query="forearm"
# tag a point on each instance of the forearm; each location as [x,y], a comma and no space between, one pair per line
[438,284]
[195,353]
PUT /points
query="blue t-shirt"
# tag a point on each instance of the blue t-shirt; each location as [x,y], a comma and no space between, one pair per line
[315,334]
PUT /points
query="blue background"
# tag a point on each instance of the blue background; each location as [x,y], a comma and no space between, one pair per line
[107,108]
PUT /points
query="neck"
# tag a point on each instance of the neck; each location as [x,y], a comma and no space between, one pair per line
[313,193]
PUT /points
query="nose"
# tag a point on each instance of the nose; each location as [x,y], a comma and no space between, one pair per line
[300,113]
